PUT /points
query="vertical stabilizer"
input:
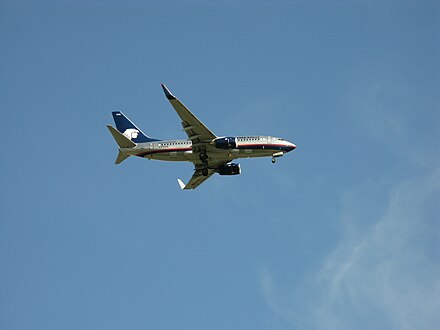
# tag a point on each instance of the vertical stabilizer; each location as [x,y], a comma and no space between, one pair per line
[129,129]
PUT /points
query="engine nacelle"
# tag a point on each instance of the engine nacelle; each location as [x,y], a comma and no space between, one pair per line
[229,169]
[226,142]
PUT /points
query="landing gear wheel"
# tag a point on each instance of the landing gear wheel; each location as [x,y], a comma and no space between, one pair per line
[273,160]
[205,172]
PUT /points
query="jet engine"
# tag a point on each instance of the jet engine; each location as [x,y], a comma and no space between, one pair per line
[225,143]
[229,169]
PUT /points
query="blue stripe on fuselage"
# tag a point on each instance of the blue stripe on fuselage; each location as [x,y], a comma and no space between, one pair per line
[265,146]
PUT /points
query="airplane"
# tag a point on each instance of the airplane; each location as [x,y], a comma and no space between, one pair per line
[208,152]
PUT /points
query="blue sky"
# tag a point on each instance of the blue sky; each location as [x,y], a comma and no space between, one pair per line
[342,233]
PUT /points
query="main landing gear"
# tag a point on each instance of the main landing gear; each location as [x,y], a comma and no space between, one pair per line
[204,158]
[274,160]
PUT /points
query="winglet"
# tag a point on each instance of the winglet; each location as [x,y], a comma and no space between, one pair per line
[167,92]
[181,184]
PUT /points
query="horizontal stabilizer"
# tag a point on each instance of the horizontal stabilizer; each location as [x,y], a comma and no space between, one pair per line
[121,139]
[121,157]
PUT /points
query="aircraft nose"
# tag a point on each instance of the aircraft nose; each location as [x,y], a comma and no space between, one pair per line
[292,146]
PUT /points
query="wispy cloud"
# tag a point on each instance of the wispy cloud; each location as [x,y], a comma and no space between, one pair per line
[386,276]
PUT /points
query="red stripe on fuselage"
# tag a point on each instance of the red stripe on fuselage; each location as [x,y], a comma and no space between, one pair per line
[143,154]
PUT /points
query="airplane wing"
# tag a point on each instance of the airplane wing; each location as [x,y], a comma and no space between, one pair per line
[197,132]
[198,178]
[201,137]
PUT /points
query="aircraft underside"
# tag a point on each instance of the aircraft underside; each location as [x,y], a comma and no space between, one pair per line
[212,156]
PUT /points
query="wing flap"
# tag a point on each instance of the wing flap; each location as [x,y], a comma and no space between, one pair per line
[196,180]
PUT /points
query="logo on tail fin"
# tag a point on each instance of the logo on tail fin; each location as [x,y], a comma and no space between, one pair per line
[131,133]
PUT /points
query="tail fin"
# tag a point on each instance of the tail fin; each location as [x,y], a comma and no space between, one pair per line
[130,130]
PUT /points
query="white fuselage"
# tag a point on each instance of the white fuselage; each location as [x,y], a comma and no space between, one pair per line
[181,150]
